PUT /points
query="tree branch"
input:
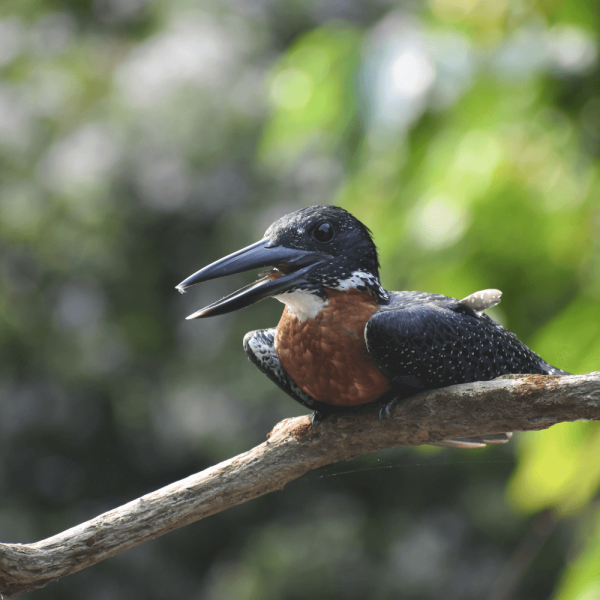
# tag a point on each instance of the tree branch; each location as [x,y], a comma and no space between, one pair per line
[511,403]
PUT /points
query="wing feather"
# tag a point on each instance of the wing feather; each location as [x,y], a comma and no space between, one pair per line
[426,341]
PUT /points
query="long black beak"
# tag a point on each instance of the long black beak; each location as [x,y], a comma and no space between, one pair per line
[294,264]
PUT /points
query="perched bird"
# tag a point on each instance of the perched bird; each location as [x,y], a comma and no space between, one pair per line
[343,340]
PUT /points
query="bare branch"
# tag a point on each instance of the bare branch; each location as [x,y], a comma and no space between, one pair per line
[512,403]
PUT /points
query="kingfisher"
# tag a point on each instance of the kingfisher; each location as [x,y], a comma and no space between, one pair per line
[343,340]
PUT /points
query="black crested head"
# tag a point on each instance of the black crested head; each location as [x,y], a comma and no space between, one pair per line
[333,232]
[312,250]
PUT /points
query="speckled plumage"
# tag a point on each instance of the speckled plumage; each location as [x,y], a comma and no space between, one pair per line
[425,341]
[343,340]
[418,340]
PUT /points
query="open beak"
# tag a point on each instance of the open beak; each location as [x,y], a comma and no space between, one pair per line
[291,267]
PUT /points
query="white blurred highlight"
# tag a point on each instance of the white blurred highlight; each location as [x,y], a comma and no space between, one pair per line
[411,73]
[197,50]
[11,39]
[438,222]
[83,158]
[407,70]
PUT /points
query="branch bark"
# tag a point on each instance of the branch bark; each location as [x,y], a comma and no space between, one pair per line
[511,403]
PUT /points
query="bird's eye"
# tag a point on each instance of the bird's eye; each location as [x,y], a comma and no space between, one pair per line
[323,232]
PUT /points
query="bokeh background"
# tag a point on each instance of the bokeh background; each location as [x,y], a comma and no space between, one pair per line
[142,139]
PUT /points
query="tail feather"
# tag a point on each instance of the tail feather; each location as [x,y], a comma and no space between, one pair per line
[478,441]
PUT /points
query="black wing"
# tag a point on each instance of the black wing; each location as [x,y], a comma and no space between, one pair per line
[427,341]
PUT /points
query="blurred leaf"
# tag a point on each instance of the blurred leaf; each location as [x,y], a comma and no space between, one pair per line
[312,93]
[572,339]
[558,468]
[581,578]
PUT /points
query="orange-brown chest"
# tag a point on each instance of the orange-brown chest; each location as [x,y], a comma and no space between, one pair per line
[327,356]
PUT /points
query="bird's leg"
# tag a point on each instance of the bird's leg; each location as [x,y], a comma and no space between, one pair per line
[388,403]
[385,409]
[316,418]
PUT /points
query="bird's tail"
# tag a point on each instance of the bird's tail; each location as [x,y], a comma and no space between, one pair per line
[478,441]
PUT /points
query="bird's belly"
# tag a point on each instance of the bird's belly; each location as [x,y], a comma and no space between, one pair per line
[327,357]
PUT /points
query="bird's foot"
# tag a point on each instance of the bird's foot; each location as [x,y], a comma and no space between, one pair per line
[316,418]
[386,408]
[388,403]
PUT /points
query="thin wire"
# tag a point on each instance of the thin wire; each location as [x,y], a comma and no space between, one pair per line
[366,468]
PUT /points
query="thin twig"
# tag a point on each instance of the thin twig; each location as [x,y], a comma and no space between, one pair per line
[514,403]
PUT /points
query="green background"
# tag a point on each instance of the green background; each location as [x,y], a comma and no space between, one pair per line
[143,139]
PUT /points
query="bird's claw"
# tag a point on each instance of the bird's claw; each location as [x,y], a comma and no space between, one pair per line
[316,418]
[385,411]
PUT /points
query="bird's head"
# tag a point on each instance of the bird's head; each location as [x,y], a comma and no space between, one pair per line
[310,251]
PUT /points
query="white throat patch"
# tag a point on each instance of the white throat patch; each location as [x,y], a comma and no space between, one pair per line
[303,305]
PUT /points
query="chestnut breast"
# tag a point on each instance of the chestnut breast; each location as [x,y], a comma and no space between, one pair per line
[326,356]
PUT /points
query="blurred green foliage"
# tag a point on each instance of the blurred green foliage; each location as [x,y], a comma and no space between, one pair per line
[142,139]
